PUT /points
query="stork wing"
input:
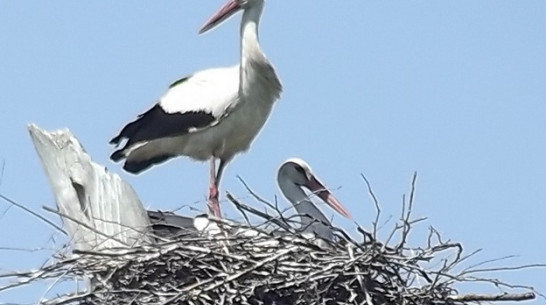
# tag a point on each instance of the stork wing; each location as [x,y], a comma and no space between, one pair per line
[190,104]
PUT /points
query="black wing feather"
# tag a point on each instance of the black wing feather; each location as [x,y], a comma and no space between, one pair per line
[156,124]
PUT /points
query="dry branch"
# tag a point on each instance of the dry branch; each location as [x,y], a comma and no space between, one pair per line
[93,199]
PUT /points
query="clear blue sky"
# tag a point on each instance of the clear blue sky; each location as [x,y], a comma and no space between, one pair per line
[455,90]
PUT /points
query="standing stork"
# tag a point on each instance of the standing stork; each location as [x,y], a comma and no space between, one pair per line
[212,114]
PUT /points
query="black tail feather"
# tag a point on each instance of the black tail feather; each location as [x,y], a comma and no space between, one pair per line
[115,140]
[136,167]
[117,155]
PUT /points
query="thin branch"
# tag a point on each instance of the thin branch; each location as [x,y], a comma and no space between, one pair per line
[491,298]
[376,204]
[498,269]
[40,217]
[68,217]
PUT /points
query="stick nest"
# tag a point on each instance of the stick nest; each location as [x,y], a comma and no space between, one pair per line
[269,268]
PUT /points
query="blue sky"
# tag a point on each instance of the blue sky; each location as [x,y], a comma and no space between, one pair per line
[454,90]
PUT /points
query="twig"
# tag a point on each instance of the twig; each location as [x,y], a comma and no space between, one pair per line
[376,204]
[40,217]
[68,217]
[491,298]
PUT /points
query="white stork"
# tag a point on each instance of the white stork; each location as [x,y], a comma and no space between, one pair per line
[212,114]
[293,175]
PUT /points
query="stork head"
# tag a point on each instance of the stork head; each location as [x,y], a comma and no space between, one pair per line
[228,10]
[297,171]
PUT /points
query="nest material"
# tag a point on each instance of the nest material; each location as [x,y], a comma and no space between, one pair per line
[268,268]
[274,269]
[259,270]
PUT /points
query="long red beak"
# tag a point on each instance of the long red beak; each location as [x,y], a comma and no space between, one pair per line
[230,8]
[318,189]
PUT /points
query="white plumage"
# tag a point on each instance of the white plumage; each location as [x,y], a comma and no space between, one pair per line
[211,91]
[213,114]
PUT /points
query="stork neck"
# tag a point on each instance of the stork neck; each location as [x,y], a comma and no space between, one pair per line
[302,203]
[250,46]
[258,83]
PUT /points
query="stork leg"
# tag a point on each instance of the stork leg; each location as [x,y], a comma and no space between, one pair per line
[220,171]
[214,204]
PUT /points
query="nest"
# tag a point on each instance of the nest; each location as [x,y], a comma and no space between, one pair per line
[269,268]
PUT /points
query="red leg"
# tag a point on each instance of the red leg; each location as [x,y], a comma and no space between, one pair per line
[214,204]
